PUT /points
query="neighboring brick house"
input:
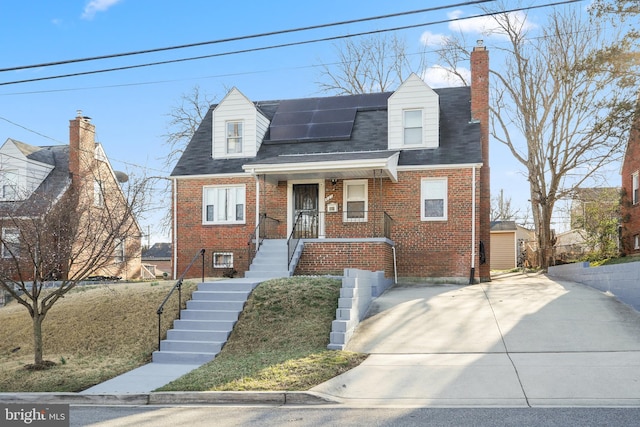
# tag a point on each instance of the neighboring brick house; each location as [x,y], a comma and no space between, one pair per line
[39,182]
[157,260]
[630,206]
[395,182]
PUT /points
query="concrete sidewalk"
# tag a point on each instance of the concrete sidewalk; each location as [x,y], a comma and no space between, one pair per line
[518,341]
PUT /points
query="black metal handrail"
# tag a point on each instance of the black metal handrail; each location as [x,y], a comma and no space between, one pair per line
[260,233]
[292,241]
[177,285]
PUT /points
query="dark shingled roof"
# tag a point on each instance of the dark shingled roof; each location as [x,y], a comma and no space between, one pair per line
[459,136]
[53,186]
[503,226]
[158,251]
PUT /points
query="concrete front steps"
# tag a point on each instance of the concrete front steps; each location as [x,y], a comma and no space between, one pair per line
[204,326]
[272,260]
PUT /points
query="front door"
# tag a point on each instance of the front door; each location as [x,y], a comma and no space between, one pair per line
[305,211]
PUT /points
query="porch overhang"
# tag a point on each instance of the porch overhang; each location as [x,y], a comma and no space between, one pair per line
[327,166]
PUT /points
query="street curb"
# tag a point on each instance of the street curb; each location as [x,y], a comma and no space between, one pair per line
[174,398]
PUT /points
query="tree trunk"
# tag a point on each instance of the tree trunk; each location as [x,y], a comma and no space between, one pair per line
[37,337]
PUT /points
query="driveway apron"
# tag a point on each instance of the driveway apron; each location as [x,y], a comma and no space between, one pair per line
[518,341]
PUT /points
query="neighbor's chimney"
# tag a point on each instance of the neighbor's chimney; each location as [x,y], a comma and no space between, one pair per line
[81,145]
[480,113]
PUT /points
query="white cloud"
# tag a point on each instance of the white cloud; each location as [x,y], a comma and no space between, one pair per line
[435,40]
[438,76]
[487,25]
[95,6]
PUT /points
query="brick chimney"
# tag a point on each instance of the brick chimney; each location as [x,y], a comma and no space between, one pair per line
[81,146]
[480,112]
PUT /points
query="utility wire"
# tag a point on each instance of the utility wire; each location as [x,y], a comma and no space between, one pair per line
[298,43]
[246,37]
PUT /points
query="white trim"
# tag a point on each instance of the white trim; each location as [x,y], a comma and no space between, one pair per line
[224,254]
[421,143]
[445,208]
[345,184]
[635,185]
[439,167]
[388,164]
[321,208]
[213,175]
[223,186]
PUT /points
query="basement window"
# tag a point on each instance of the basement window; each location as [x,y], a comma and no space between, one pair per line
[223,260]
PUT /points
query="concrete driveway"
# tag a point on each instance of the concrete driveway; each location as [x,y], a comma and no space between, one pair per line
[520,341]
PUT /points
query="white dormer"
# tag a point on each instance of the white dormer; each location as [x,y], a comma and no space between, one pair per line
[19,174]
[413,116]
[238,127]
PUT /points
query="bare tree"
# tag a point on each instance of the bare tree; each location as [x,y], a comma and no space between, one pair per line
[501,209]
[560,104]
[376,63]
[50,243]
[184,119]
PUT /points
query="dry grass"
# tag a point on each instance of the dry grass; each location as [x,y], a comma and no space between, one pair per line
[98,332]
[279,342]
[93,334]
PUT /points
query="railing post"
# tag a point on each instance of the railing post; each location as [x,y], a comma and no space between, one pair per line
[203,266]
[159,329]
[179,299]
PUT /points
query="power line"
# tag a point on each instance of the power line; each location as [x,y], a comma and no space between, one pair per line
[298,43]
[245,37]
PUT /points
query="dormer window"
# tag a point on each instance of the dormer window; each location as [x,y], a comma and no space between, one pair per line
[234,137]
[412,127]
[9,184]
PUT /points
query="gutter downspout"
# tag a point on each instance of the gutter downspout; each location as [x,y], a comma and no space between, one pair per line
[473,227]
[395,265]
[257,178]
[174,236]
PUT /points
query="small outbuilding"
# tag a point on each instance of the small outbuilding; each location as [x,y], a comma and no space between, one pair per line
[508,240]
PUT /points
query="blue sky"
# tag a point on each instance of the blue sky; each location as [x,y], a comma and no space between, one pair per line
[129,108]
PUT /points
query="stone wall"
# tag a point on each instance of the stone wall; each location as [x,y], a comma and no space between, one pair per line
[621,280]
[359,288]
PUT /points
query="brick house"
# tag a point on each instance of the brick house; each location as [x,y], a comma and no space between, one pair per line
[395,182]
[38,182]
[630,203]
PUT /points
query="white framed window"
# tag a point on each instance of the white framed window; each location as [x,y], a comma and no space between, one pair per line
[223,260]
[98,197]
[636,185]
[223,204]
[118,251]
[9,184]
[10,242]
[636,241]
[234,137]
[412,123]
[433,200]
[355,200]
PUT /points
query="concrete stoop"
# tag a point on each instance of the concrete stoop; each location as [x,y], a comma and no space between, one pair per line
[272,260]
[204,326]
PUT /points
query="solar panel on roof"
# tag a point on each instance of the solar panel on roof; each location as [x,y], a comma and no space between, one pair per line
[320,118]
[330,130]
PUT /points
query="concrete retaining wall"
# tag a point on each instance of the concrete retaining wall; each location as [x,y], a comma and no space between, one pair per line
[359,288]
[621,280]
